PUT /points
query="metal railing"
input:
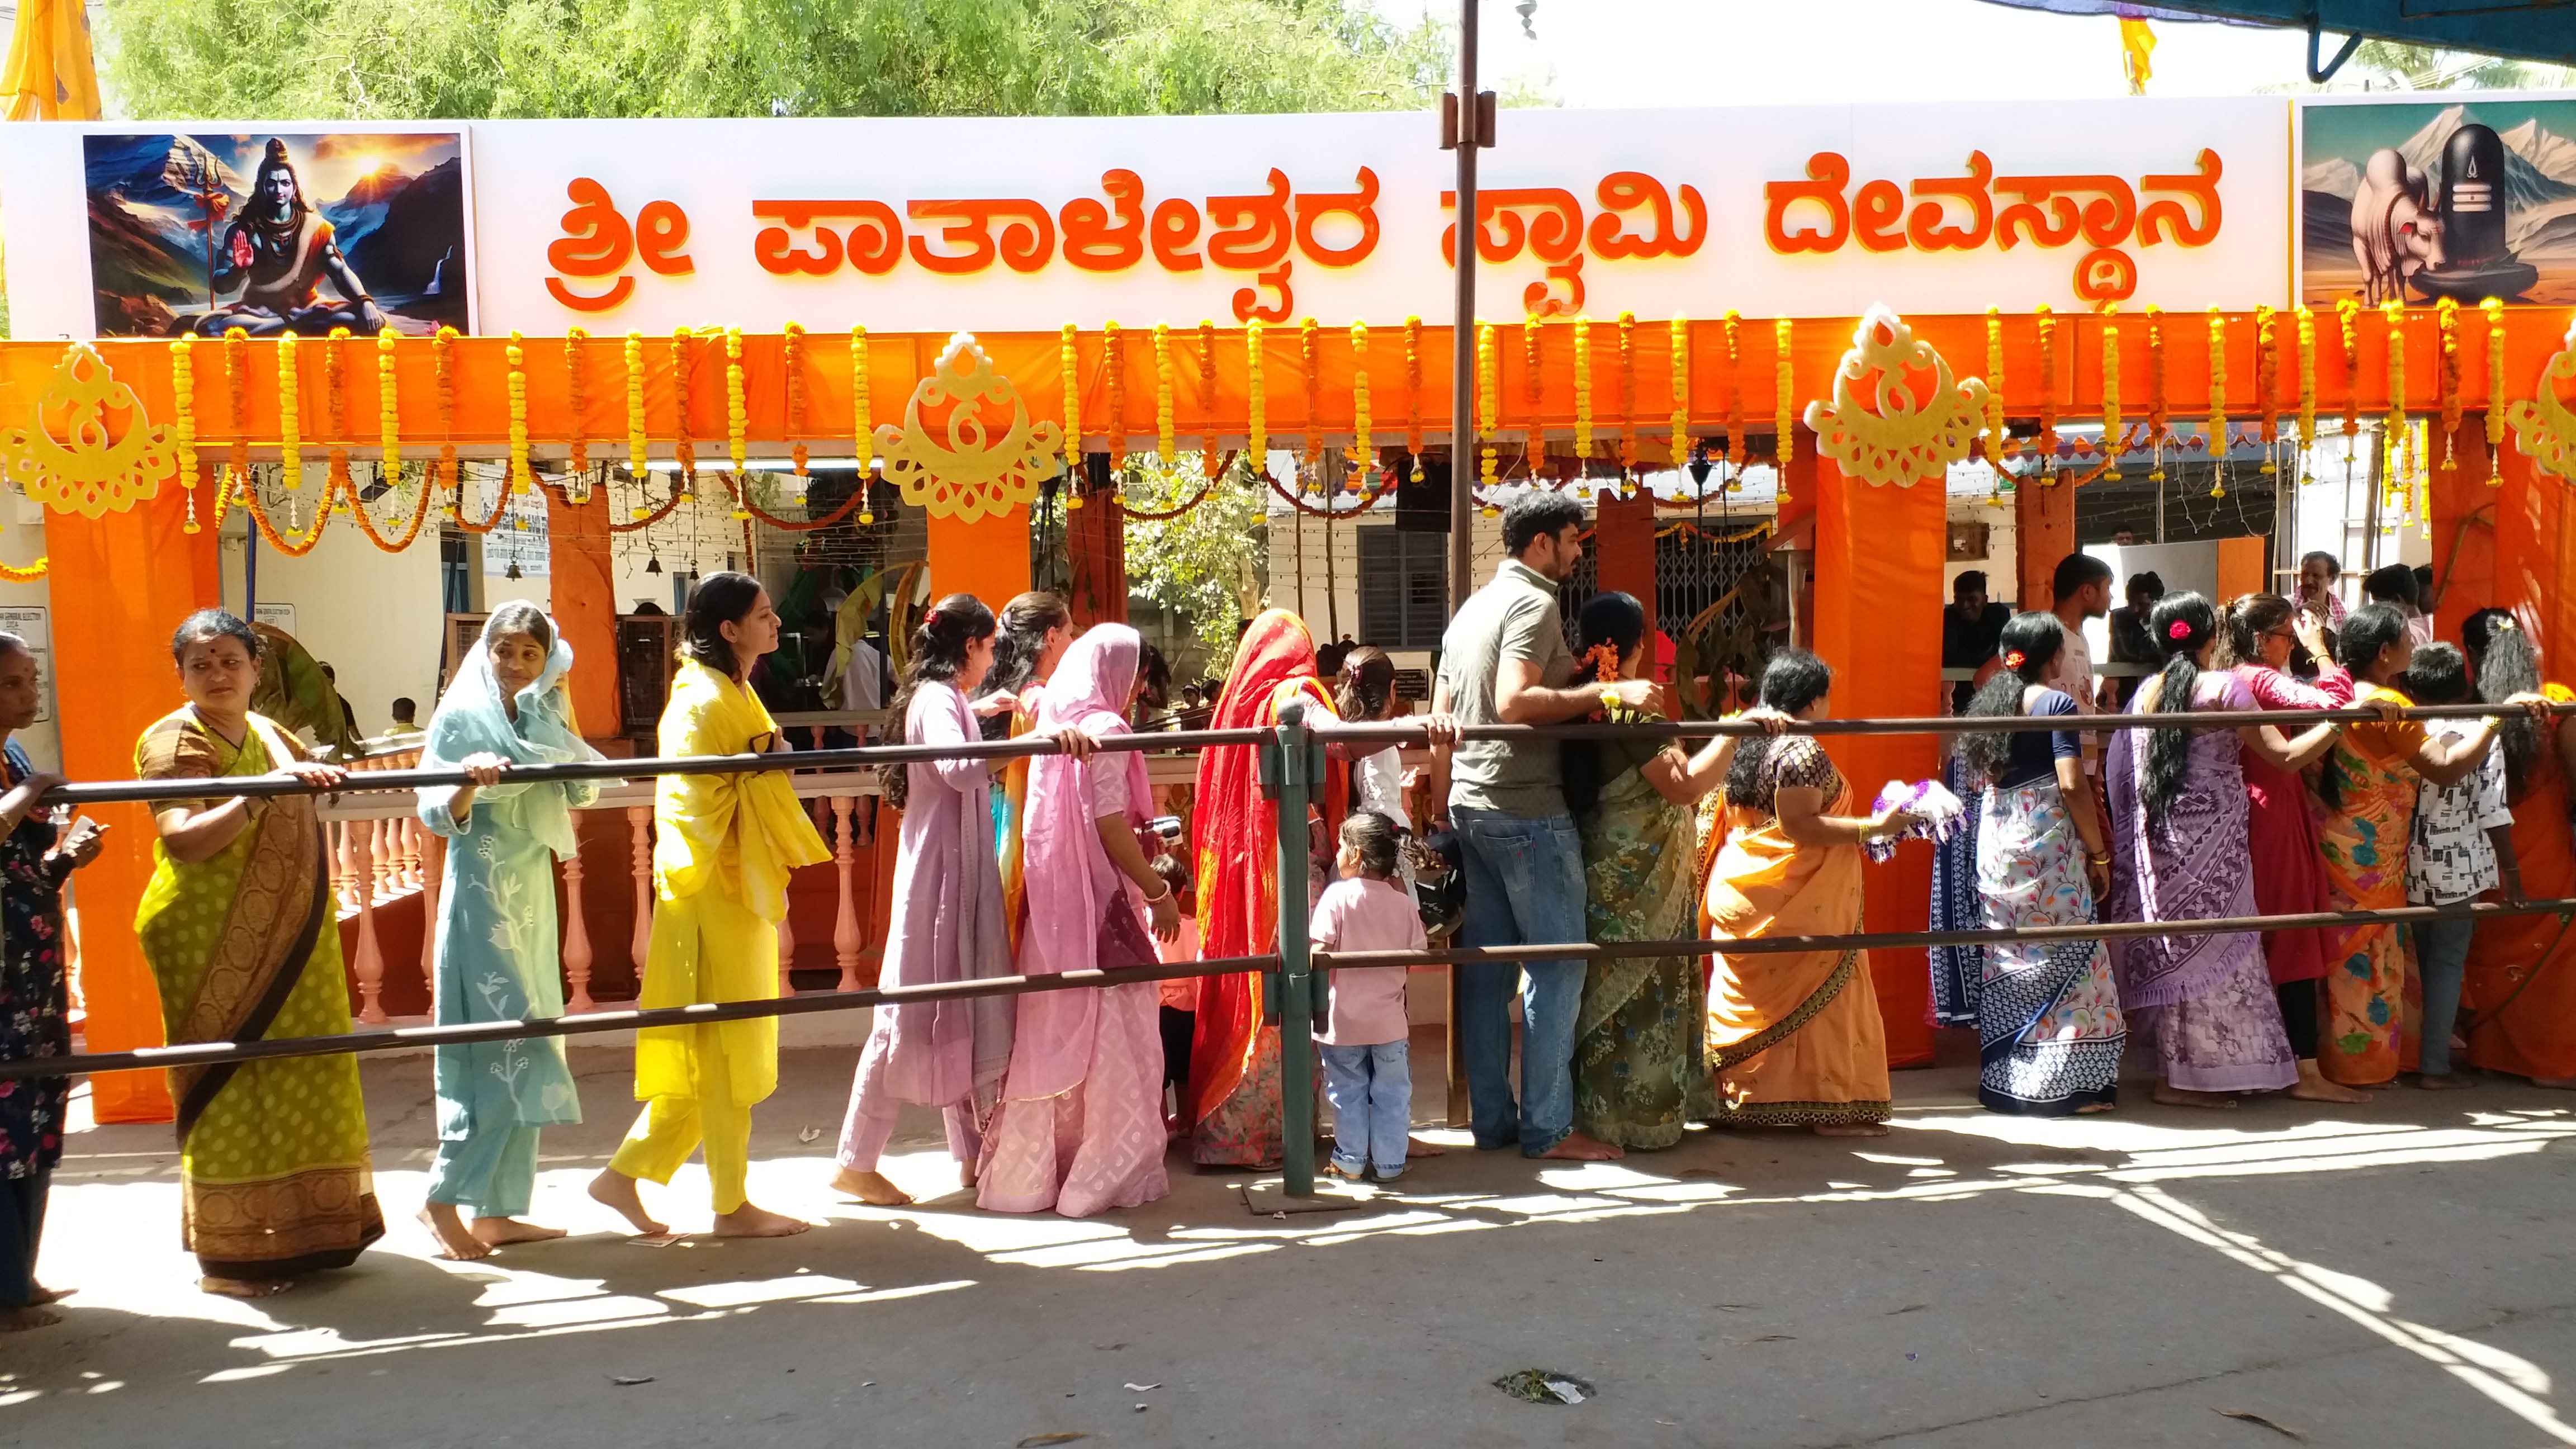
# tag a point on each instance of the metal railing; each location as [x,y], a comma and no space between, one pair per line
[1292,765]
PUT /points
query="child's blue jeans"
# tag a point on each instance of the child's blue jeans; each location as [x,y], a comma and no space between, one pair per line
[1371,1089]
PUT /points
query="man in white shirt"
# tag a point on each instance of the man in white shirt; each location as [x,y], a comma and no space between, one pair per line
[2082,590]
[863,678]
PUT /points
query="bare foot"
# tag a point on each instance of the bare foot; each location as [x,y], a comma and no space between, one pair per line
[2173,1096]
[2445,1082]
[2312,1086]
[1850,1129]
[615,1189]
[868,1187]
[1416,1147]
[454,1242]
[44,1294]
[2094,1109]
[245,1287]
[966,1176]
[747,1221]
[19,1320]
[496,1231]
[1575,1147]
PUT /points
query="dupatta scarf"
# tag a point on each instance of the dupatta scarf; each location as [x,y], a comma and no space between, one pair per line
[1070,883]
[1234,845]
[472,719]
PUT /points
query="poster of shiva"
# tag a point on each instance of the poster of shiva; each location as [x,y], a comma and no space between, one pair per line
[2412,201]
[279,232]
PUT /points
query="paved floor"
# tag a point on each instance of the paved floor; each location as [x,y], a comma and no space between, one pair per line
[2397,1274]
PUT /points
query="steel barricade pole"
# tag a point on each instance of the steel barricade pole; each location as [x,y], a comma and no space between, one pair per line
[1291,767]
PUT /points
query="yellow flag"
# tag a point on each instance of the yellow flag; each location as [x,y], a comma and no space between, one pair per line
[2137,42]
[50,75]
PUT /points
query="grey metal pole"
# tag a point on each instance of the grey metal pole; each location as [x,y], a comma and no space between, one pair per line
[1293,754]
[1462,335]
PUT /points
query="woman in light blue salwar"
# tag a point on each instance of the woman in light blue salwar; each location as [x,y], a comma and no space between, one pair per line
[497,957]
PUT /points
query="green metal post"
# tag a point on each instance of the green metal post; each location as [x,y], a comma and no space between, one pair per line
[1294,765]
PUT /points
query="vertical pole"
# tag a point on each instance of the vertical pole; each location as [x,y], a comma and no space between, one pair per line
[1462,331]
[1296,1001]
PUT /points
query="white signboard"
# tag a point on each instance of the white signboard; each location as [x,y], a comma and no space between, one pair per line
[993,224]
[29,623]
[280,617]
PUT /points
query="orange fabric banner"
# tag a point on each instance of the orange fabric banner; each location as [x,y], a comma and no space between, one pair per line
[2528,512]
[2242,565]
[1878,622]
[2043,535]
[585,606]
[2466,514]
[988,558]
[120,584]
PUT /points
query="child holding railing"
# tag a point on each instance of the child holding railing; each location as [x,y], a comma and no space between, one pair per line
[1367,1073]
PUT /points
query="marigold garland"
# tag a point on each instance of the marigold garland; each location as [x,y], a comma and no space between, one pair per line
[2267,383]
[737,409]
[367,524]
[1582,390]
[1113,357]
[861,419]
[794,335]
[1488,397]
[1363,446]
[388,413]
[2047,321]
[1256,440]
[576,362]
[1628,394]
[1736,453]
[237,377]
[1209,462]
[636,443]
[1164,443]
[336,474]
[1785,404]
[2348,324]
[2400,439]
[1678,335]
[1995,389]
[1534,453]
[2111,385]
[442,346]
[2494,308]
[1311,363]
[183,393]
[745,508]
[1070,360]
[2446,323]
[683,447]
[2159,417]
[2307,320]
[290,448]
[2218,445]
[516,355]
[304,537]
[1413,393]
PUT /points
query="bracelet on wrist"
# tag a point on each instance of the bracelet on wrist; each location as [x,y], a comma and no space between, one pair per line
[1159,899]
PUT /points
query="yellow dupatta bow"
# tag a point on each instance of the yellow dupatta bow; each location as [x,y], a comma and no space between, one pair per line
[742,833]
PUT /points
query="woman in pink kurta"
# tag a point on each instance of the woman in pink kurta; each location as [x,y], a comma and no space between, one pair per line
[2280,833]
[947,922]
[1080,1127]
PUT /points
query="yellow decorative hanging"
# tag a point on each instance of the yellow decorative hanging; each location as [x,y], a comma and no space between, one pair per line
[947,468]
[2543,426]
[1895,436]
[388,414]
[2047,323]
[1489,402]
[2111,386]
[183,392]
[864,430]
[1583,389]
[576,394]
[87,448]
[516,355]
[1363,447]
[2495,387]
[2307,387]
[1413,392]
[737,417]
[290,449]
[1070,359]
[2217,402]
[1256,442]
[1995,390]
[1680,338]
[636,445]
[793,338]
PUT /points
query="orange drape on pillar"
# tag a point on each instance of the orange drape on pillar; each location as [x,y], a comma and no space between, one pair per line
[2528,556]
[1879,553]
[2242,566]
[1623,558]
[1095,542]
[988,558]
[2466,516]
[585,605]
[2043,535]
[119,585]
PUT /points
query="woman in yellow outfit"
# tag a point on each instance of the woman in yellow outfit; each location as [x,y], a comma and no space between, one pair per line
[723,848]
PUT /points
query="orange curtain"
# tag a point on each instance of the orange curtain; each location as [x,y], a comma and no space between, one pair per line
[119,585]
[988,558]
[1879,553]
[2043,535]
[2467,516]
[1095,541]
[2242,563]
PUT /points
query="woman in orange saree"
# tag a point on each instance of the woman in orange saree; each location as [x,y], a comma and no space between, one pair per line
[2521,989]
[1794,1038]
[1233,1102]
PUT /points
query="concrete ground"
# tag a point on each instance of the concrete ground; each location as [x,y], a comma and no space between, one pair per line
[2396,1274]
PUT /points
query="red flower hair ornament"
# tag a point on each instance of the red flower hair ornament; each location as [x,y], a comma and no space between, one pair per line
[2179,631]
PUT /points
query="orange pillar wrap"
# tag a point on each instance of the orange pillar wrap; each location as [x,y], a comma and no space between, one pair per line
[585,606]
[2467,512]
[2528,514]
[2242,563]
[988,558]
[1095,540]
[1623,551]
[119,585]
[1879,554]
[2043,535]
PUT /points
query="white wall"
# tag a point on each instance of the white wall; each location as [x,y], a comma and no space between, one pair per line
[374,617]
[2001,565]
[22,542]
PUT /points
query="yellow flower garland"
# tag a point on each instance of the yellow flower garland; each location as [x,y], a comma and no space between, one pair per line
[388,413]
[2348,325]
[683,447]
[2159,425]
[2446,324]
[2307,321]
[518,381]
[1489,402]
[1413,392]
[1785,405]
[2494,309]
[2218,446]
[860,422]
[1209,462]
[1256,435]
[1310,358]
[2400,438]
[2267,383]
[1164,442]
[183,392]
[337,489]
[1363,447]
[1533,452]
[290,450]
[2046,318]
[637,445]
[237,376]
[2111,385]
[1070,359]
[737,420]
[1677,335]
[1113,360]
[576,395]
[1582,390]
[1628,395]
[1995,390]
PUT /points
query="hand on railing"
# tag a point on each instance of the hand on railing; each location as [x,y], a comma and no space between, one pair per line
[315,773]
[1074,743]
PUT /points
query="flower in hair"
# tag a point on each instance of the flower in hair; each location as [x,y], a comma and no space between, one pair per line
[1604,659]
[2013,660]
[2181,630]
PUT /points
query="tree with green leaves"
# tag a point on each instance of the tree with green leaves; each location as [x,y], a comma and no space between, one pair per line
[1203,565]
[382,60]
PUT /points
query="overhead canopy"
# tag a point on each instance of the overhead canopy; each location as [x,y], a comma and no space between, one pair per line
[2543,30]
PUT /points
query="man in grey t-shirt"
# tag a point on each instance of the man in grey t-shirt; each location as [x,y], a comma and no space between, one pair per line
[1504,660]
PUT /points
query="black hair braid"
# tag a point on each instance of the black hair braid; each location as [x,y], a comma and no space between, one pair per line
[2029,648]
[2181,625]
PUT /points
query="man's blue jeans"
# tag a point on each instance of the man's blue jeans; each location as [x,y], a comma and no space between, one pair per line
[1524,887]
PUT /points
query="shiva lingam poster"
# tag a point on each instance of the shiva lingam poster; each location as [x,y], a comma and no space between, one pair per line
[2419,201]
[279,232]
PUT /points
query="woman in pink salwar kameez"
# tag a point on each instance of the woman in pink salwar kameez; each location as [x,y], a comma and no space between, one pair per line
[1080,1127]
[947,922]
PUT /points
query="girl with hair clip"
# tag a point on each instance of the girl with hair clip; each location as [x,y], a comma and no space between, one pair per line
[2521,978]
[947,920]
[2050,1031]
[2178,825]
[2365,798]
[2263,638]
[497,958]
[1364,693]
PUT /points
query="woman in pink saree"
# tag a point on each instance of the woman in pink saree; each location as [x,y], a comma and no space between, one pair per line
[1080,1127]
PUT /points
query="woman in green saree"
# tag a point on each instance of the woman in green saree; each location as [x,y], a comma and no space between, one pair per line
[1639,1069]
[241,932]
